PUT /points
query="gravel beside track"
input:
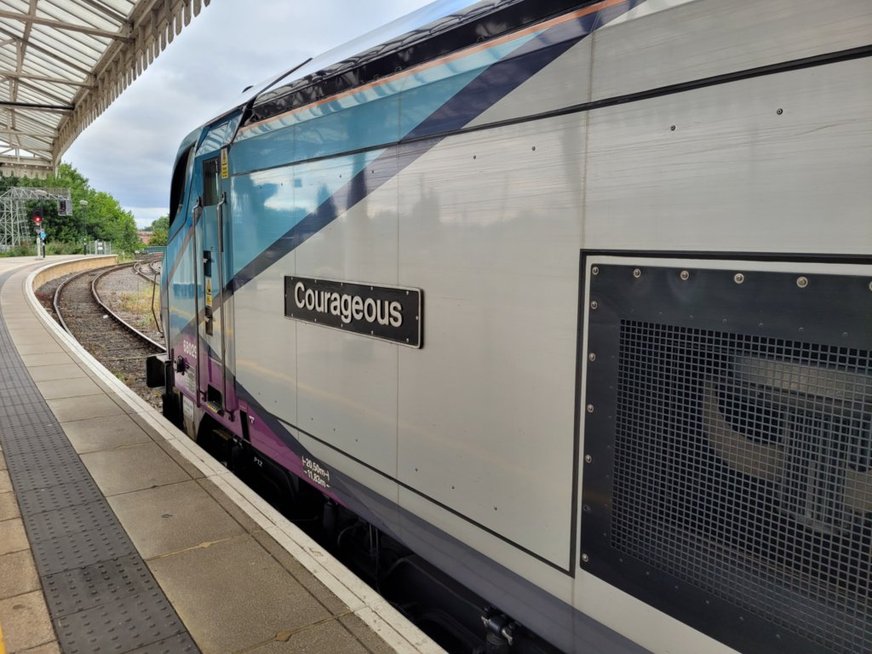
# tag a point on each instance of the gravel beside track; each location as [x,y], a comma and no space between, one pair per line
[130,295]
[122,352]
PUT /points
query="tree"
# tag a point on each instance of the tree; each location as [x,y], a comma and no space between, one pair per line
[96,214]
[159,231]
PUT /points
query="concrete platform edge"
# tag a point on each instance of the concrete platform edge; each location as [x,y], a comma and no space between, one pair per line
[372,609]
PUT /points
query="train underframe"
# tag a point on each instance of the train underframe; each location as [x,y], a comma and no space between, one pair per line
[452,615]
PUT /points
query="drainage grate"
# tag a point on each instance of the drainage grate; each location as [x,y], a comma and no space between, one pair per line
[100,594]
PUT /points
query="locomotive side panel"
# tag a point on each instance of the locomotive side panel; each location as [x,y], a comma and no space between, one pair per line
[649,48]
[490,229]
[348,381]
[771,156]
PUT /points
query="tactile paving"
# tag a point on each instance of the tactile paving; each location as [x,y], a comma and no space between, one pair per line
[67,521]
[122,626]
[179,644]
[101,595]
[67,551]
[57,497]
[37,442]
[28,479]
[105,582]
[54,457]
[13,419]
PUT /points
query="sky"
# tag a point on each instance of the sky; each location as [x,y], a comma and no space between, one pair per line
[129,150]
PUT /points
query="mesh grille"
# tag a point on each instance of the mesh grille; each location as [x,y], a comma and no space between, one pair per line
[742,466]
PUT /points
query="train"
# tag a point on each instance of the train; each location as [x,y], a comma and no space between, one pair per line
[568,301]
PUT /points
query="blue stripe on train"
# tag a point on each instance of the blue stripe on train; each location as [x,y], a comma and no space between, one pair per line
[479,94]
[363,119]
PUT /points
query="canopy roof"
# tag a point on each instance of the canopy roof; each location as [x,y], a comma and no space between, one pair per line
[63,62]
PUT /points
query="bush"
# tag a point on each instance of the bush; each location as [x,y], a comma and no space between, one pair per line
[20,251]
[59,247]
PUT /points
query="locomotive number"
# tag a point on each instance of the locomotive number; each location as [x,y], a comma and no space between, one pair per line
[189,348]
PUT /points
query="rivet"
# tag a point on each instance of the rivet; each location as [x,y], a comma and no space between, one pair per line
[590,408]
[594,305]
[802,282]
[637,273]
[592,355]
[585,558]
[738,278]
[595,270]
[684,275]
[672,128]
[588,458]
[779,111]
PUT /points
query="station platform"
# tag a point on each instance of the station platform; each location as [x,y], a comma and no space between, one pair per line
[118,534]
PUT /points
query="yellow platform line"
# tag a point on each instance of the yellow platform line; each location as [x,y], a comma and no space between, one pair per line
[2,647]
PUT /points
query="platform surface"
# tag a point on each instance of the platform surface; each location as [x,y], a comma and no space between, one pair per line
[117,534]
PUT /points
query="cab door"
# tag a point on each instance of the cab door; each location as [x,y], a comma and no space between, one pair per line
[214,381]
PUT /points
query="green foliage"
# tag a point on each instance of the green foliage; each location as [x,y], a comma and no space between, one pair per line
[23,250]
[59,247]
[96,214]
[160,231]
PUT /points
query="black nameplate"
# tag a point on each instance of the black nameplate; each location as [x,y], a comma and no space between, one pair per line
[392,314]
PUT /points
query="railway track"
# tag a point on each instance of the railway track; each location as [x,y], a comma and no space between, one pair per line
[118,345]
[148,269]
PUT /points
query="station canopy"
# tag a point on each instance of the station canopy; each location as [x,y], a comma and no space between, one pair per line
[63,62]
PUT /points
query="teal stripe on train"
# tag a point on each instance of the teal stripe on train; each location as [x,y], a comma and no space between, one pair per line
[374,116]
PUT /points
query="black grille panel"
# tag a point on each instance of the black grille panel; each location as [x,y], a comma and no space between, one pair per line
[741,467]
[737,463]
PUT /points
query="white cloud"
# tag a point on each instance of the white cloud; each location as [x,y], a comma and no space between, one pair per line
[129,150]
[145,216]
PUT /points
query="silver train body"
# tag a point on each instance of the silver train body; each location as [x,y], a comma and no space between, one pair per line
[572,299]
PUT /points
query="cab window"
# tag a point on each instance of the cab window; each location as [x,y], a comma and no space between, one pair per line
[210,182]
[177,186]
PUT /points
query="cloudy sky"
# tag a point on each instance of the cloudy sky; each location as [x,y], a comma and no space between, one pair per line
[129,150]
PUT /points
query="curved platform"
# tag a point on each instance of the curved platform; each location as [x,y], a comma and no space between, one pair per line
[117,534]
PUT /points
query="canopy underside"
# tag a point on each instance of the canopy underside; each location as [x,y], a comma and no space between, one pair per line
[63,62]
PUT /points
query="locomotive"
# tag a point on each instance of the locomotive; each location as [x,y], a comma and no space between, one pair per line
[571,299]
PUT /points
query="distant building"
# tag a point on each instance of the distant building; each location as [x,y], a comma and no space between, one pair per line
[144,236]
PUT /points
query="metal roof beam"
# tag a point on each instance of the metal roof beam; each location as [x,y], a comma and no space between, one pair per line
[49,53]
[45,138]
[47,95]
[60,25]
[24,163]
[34,106]
[23,160]
[108,12]
[43,152]
[43,78]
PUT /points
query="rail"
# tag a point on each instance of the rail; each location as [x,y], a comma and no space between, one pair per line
[138,269]
[101,304]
